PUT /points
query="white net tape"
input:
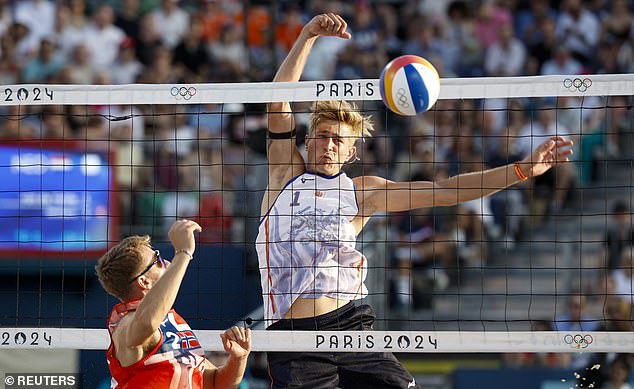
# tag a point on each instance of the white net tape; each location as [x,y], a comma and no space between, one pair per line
[366,89]
[350,341]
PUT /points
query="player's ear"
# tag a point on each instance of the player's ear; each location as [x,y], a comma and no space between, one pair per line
[144,282]
[352,154]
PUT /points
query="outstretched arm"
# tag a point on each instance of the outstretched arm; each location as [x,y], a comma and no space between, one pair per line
[237,342]
[381,195]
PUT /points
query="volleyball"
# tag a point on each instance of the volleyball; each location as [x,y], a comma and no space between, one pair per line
[409,85]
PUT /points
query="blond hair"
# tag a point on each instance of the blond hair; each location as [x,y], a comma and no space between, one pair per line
[121,264]
[344,112]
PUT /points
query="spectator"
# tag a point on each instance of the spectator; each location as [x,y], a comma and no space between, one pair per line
[68,32]
[214,15]
[619,374]
[576,319]
[529,22]
[78,13]
[9,66]
[126,68]
[617,25]
[80,69]
[619,234]
[103,38]
[230,49]
[490,20]
[258,25]
[190,57]
[507,56]
[578,30]
[461,39]
[288,29]
[128,17]
[39,17]
[174,22]
[46,64]
[160,70]
[544,49]
[422,40]
[149,40]
[389,39]
[561,63]
[623,276]
[6,18]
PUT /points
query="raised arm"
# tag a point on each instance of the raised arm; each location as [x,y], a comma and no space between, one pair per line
[285,161]
[160,298]
[381,195]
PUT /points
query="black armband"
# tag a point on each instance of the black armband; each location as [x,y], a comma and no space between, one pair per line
[283,135]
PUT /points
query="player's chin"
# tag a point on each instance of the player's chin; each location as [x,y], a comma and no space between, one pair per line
[330,167]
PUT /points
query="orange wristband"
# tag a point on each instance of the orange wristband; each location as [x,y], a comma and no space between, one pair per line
[519,172]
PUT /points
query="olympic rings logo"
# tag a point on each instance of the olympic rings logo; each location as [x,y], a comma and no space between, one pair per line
[578,341]
[577,84]
[402,98]
[183,92]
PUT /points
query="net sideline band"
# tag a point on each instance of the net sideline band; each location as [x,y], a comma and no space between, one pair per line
[312,212]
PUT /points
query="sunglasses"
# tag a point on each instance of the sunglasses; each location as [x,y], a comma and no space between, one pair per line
[158,258]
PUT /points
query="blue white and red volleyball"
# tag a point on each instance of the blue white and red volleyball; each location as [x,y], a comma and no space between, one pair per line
[409,85]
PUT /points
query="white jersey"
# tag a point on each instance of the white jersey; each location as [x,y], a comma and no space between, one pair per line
[306,244]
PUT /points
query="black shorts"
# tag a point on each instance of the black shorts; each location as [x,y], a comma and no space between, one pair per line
[323,370]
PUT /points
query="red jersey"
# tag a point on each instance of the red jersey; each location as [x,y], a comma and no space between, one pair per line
[177,361]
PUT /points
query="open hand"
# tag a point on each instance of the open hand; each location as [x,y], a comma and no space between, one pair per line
[328,25]
[237,341]
[555,150]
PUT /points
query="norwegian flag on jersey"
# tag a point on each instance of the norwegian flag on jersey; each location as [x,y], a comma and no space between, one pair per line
[179,338]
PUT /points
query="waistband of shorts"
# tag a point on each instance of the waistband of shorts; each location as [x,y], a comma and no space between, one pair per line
[313,323]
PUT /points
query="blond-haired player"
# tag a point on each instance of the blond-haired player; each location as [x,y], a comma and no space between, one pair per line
[311,272]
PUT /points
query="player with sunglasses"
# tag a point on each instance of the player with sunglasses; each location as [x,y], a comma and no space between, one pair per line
[151,345]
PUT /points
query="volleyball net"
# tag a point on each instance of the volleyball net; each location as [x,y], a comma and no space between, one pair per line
[537,267]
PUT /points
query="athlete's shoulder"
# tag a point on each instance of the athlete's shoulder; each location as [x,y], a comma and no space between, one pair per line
[370,182]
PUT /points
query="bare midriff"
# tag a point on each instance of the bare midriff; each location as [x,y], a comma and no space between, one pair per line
[309,307]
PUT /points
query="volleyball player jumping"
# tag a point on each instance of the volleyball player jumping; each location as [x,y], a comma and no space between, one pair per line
[311,273]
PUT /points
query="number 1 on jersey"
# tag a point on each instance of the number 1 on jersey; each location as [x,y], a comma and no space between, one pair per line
[295,199]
